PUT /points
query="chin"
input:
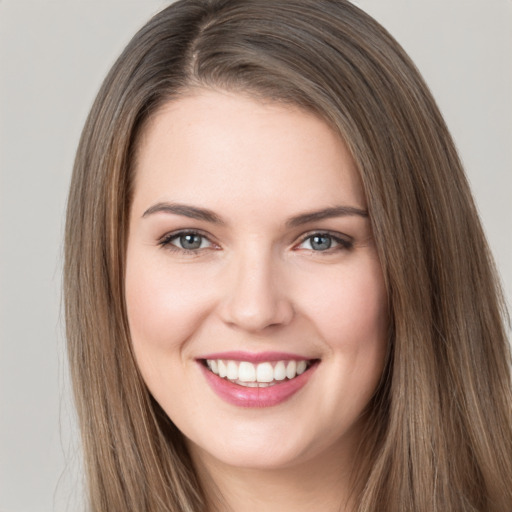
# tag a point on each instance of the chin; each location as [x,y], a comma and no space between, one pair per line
[260,446]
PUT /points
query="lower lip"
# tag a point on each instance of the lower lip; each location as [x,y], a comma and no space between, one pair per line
[269,396]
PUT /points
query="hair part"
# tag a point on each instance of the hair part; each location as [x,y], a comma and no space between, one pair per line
[439,434]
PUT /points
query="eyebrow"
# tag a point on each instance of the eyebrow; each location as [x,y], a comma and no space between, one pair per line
[326,213]
[194,212]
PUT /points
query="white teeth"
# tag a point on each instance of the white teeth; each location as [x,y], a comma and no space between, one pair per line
[248,384]
[246,372]
[260,375]
[264,372]
[223,371]
[280,371]
[301,367]
[232,372]
[291,369]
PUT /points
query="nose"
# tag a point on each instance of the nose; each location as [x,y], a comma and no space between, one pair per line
[256,298]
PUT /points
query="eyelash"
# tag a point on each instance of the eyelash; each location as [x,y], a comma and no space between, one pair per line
[166,241]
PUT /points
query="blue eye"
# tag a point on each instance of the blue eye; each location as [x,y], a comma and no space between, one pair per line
[321,242]
[187,241]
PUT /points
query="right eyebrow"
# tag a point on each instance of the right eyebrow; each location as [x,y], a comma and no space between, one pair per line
[192,212]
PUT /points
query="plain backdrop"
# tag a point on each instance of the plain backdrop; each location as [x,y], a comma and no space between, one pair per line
[53,57]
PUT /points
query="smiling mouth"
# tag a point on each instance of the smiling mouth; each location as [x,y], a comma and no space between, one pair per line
[260,375]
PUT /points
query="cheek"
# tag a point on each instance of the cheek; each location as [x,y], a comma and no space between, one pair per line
[164,306]
[352,319]
[351,310]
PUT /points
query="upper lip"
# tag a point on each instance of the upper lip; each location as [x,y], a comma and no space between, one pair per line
[257,357]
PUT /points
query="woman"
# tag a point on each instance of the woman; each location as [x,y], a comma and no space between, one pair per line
[278,292]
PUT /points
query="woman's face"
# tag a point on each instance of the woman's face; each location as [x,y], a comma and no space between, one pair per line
[255,297]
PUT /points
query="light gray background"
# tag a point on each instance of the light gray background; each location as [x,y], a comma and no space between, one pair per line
[53,56]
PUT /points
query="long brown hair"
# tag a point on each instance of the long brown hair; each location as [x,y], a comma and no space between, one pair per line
[439,431]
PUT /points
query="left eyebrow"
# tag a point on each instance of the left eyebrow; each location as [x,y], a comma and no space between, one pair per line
[326,213]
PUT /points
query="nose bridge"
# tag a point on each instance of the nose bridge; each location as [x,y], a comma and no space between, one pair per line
[255,298]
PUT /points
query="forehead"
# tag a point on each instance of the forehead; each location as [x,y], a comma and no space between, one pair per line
[213,146]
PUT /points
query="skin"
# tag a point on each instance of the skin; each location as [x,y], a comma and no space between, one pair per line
[256,284]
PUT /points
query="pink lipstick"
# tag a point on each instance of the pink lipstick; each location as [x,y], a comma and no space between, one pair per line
[256,380]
